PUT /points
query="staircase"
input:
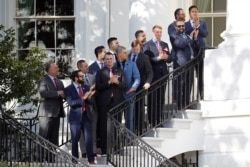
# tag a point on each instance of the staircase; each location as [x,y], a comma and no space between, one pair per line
[178,135]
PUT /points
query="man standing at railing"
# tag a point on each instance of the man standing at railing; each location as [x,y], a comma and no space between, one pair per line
[195,24]
[110,83]
[154,50]
[51,91]
[79,98]
[183,47]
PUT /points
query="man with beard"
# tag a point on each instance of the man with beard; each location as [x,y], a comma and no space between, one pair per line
[79,99]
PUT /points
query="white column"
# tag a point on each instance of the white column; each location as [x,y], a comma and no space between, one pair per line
[226,69]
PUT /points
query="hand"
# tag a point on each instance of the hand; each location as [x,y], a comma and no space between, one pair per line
[146,86]
[92,87]
[191,35]
[196,33]
[196,22]
[130,90]
[86,95]
[114,79]
[163,56]
[61,93]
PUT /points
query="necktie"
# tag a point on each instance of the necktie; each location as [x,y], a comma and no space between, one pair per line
[102,65]
[81,94]
[86,78]
[110,73]
[158,46]
[134,56]
[56,83]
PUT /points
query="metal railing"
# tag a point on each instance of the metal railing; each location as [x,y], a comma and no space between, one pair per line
[20,146]
[181,89]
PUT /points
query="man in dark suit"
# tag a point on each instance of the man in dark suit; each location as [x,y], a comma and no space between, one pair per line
[98,64]
[195,24]
[146,73]
[78,97]
[153,49]
[89,80]
[51,91]
[183,47]
[110,83]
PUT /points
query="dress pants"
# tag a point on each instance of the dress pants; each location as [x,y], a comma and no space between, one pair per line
[86,128]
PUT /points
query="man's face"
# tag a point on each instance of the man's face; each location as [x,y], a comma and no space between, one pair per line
[80,78]
[109,61]
[114,44]
[157,33]
[142,38]
[136,49]
[181,15]
[123,55]
[193,14]
[180,27]
[53,70]
[84,68]
[102,54]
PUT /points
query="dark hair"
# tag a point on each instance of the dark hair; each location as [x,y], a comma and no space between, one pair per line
[176,12]
[138,32]
[74,74]
[111,39]
[98,50]
[48,65]
[191,7]
[78,64]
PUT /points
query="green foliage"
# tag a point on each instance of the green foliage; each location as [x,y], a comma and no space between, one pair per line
[19,76]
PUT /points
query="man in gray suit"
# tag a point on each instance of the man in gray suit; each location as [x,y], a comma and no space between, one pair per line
[51,104]
[89,80]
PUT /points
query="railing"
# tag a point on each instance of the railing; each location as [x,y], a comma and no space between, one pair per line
[19,146]
[182,88]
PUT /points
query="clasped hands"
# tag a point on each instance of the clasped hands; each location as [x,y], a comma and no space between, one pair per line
[89,94]
[114,79]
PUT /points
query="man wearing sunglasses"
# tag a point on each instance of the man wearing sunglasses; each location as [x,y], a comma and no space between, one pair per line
[183,46]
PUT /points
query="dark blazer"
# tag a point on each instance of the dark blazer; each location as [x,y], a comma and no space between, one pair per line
[159,66]
[183,47]
[93,68]
[203,32]
[105,89]
[75,103]
[51,104]
[145,69]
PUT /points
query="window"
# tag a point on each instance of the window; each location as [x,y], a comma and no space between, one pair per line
[214,14]
[48,24]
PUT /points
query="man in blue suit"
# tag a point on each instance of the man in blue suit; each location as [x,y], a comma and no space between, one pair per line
[78,96]
[133,79]
[195,24]
[154,50]
[183,47]
[99,63]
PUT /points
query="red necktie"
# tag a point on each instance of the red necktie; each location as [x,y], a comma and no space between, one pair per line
[110,73]
[56,83]
[81,95]
[158,46]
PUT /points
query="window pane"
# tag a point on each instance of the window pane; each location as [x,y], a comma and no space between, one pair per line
[204,6]
[219,27]
[208,39]
[220,6]
[45,7]
[64,60]
[25,8]
[64,8]
[45,34]
[65,34]
[26,34]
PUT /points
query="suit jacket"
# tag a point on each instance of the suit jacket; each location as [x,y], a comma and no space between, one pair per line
[132,77]
[106,90]
[171,29]
[51,104]
[94,67]
[75,103]
[145,69]
[159,66]
[203,33]
[91,80]
[183,47]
